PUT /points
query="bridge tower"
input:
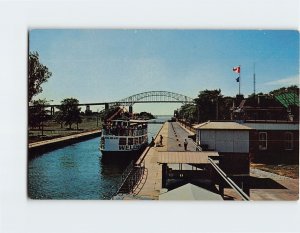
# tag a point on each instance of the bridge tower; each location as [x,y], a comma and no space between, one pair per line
[52,110]
[106,106]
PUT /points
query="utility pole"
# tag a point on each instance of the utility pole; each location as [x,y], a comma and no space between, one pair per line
[254,78]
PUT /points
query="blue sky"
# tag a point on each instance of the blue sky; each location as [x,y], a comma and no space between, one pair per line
[108,65]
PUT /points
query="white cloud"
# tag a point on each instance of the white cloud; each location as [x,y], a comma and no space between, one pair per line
[285,81]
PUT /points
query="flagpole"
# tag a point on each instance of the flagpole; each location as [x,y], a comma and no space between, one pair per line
[254,78]
[240,81]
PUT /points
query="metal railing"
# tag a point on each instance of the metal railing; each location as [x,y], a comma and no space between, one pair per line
[125,175]
[130,178]
[229,181]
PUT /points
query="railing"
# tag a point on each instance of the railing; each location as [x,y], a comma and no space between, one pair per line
[231,183]
[130,178]
[134,178]
[125,175]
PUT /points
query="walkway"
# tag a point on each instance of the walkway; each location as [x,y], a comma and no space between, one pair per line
[266,186]
[150,186]
[63,139]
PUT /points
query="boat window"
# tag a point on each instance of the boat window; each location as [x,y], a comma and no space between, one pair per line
[122,141]
[130,141]
[140,140]
[136,141]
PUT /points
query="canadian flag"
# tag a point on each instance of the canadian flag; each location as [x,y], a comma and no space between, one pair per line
[236,69]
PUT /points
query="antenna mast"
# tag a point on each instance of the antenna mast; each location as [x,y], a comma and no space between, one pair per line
[254,78]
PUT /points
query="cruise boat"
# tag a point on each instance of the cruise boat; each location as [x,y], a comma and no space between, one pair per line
[124,137]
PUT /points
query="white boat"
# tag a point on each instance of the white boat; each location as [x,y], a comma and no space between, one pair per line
[124,136]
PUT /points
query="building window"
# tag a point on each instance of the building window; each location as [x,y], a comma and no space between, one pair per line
[262,140]
[288,141]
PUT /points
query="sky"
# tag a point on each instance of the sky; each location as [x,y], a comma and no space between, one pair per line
[99,65]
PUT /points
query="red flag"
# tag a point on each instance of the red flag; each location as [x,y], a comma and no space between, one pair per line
[236,69]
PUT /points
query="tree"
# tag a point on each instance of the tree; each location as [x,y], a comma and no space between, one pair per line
[145,115]
[88,112]
[208,103]
[70,111]
[188,112]
[59,118]
[225,105]
[37,74]
[37,114]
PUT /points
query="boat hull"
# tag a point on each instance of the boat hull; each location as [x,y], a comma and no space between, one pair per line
[119,156]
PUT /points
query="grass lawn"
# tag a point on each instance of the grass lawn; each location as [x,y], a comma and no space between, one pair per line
[54,130]
[291,171]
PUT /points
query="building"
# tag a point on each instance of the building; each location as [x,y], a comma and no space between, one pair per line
[263,141]
[283,107]
[231,140]
[274,141]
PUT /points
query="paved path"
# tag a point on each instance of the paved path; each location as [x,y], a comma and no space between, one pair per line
[176,143]
[274,187]
[61,139]
[267,186]
[150,186]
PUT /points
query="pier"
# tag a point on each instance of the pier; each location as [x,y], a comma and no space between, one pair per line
[171,154]
[171,161]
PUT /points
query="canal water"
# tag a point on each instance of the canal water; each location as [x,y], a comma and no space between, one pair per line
[77,171]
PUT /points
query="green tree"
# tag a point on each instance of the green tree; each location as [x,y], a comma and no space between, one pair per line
[208,105]
[188,112]
[70,111]
[37,74]
[225,105]
[59,118]
[145,115]
[88,112]
[37,114]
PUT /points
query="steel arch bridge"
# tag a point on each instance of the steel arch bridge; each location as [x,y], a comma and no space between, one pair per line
[155,97]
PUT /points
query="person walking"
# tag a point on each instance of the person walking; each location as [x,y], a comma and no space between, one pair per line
[152,143]
[185,144]
[161,140]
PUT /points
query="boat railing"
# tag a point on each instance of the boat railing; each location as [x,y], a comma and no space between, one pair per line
[124,132]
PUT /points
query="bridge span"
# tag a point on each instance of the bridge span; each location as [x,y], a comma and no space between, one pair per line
[144,97]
